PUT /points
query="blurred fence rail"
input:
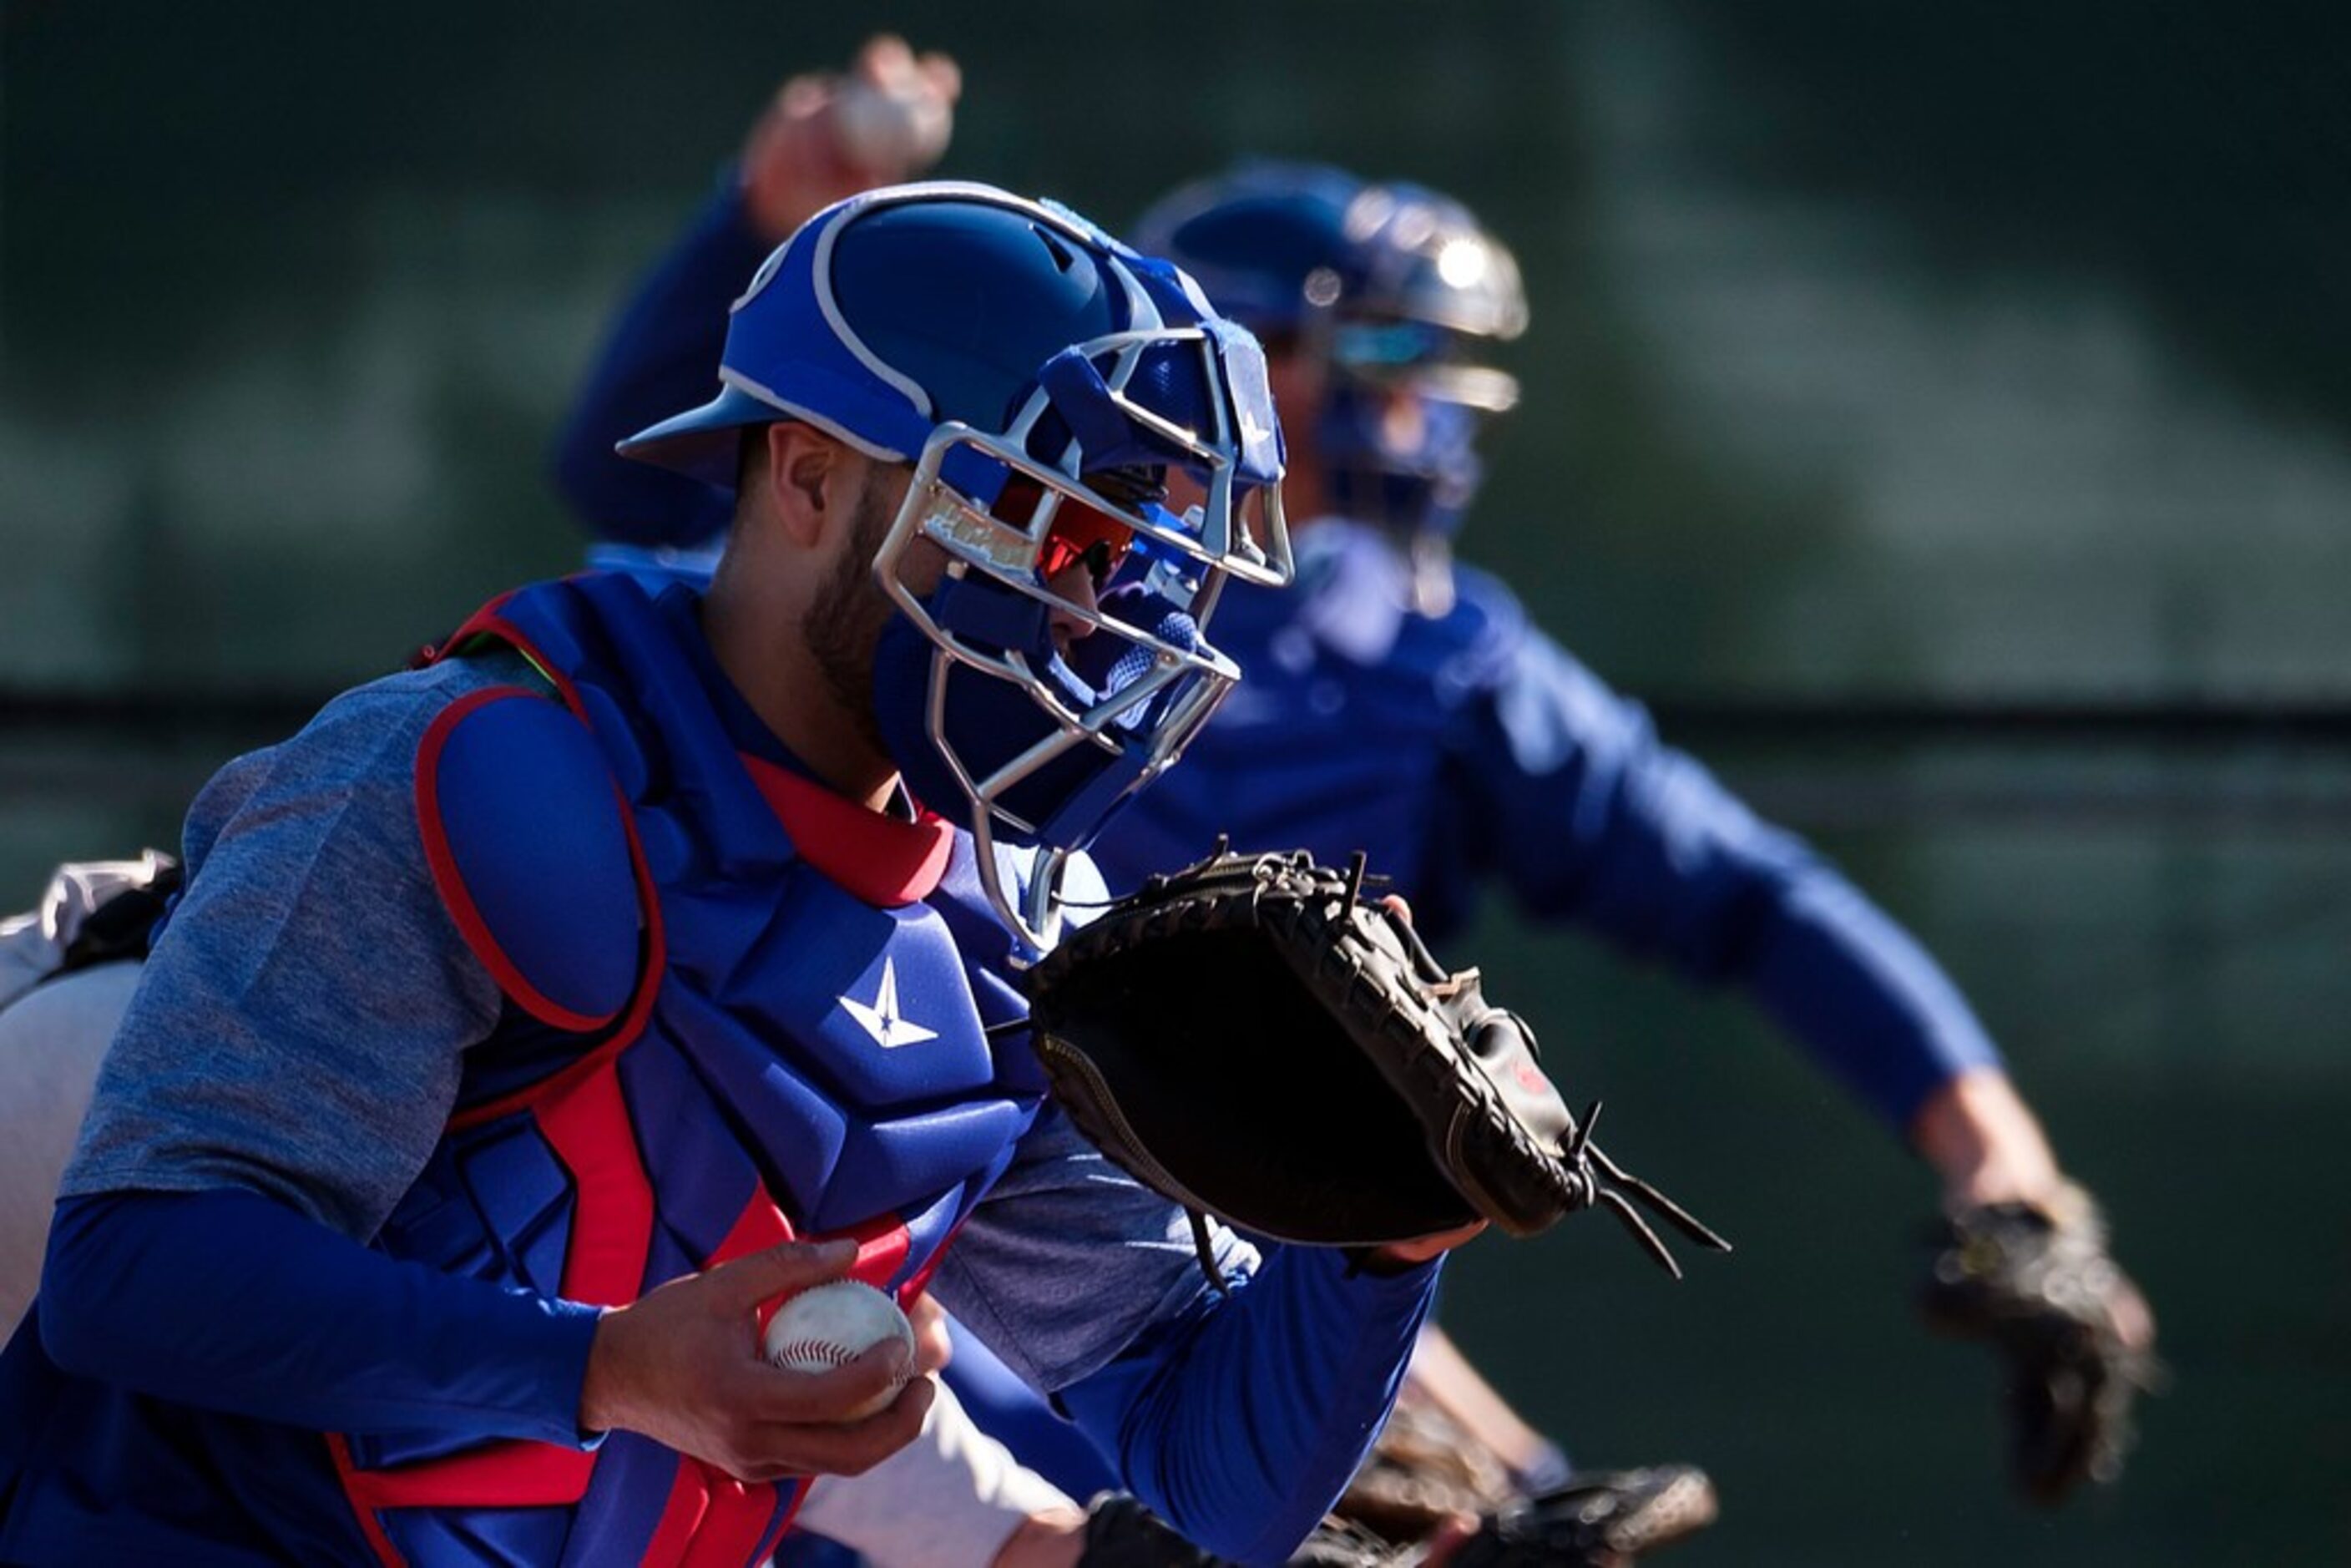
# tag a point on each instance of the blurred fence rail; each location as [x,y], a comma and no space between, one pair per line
[2061,721]
[1814,762]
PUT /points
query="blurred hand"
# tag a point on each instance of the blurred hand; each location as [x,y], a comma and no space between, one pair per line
[1400,1255]
[1985,1143]
[933,1348]
[1055,1538]
[826,136]
[682,1366]
[1448,1539]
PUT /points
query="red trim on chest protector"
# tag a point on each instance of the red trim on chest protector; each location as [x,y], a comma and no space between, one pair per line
[879,859]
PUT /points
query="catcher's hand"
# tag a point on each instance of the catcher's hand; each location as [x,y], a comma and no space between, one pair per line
[2036,1281]
[1254,1039]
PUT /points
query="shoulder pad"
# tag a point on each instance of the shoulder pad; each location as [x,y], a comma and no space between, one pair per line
[528,838]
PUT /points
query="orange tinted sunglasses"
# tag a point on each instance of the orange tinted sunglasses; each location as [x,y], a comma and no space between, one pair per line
[1080,533]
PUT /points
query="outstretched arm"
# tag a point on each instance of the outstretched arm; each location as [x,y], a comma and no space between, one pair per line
[1640,841]
[1570,797]
[1602,823]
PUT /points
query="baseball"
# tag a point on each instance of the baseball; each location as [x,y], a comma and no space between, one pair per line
[894,131]
[828,1325]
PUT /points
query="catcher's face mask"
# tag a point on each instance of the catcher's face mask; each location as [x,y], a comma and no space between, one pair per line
[1047,734]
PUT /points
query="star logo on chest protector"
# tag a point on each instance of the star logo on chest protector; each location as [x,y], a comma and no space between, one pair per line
[881,1018]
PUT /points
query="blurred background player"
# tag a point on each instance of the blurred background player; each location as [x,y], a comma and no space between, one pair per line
[1401,704]
[67,968]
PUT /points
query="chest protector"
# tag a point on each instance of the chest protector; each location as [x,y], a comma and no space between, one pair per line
[738,1009]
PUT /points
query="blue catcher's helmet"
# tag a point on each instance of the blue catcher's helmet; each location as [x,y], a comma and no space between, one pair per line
[1041,378]
[1395,288]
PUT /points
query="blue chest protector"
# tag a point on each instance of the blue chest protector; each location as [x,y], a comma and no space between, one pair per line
[738,1009]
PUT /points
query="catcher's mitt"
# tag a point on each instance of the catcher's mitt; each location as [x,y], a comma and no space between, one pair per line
[2037,1282]
[1254,1040]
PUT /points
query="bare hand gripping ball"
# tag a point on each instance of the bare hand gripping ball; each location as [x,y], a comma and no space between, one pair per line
[828,1326]
[1253,1039]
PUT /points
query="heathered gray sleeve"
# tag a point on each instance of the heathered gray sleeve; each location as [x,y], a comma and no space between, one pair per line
[1068,1259]
[300,1028]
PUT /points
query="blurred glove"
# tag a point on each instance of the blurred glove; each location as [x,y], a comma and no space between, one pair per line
[1433,1491]
[2035,1280]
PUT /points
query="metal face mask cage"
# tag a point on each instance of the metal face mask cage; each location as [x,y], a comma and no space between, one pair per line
[1158,680]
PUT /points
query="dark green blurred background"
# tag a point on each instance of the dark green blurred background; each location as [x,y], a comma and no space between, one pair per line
[1885,360]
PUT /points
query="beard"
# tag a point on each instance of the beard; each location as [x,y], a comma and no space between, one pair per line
[848,618]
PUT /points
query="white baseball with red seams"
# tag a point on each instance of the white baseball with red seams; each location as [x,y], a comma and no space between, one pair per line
[830,1325]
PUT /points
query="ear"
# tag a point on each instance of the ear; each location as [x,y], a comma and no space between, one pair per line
[808,479]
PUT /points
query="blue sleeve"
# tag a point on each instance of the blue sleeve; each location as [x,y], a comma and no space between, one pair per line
[275,1316]
[661,358]
[1565,791]
[1241,1420]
